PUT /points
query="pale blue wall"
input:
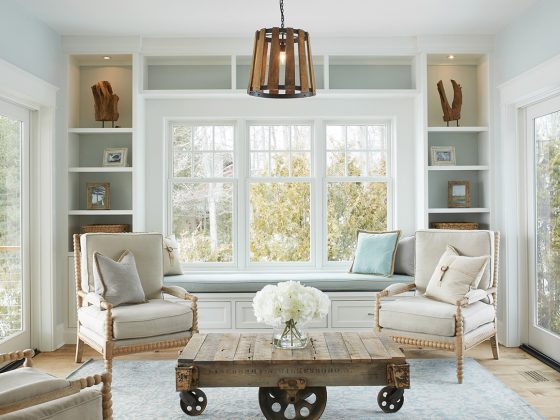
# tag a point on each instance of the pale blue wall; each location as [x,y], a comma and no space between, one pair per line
[531,39]
[31,45]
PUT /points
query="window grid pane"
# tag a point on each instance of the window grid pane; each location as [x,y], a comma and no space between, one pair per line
[280,151]
[202,216]
[357,151]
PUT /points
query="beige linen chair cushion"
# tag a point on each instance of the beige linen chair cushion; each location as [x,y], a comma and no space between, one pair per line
[85,405]
[419,314]
[171,261]
[25,383]
[156,317]
[455,275]
[146,247]
[431,244]
[117,281]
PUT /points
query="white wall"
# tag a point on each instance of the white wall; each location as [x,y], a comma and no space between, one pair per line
[403,110]
[529,40]
[525,44]
[35,48]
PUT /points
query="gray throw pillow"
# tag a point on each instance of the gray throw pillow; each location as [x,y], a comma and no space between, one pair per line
[406,256]
[117,281]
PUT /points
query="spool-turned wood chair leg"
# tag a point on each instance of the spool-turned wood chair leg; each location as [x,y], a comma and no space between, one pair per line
[79,350]
[495,348]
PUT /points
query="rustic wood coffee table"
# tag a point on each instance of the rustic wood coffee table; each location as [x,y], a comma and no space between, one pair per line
[291,378]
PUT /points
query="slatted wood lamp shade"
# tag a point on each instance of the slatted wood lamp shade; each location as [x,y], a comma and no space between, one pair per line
[273,70]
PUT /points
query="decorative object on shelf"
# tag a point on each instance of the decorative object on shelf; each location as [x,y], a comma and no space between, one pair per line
[452,113]
[455,225]
[115,156]
[105,103]
[273,52]
[287,307]
[98,195]
[105,228]
[443,155]
[458,194]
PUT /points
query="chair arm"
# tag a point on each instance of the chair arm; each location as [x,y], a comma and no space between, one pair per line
[179,292]
[95,300]
[17,355]
[476,295]
[396,289]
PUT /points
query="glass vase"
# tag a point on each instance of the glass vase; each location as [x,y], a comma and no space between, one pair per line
[290,336]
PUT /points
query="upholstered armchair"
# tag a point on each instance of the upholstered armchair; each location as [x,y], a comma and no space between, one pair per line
[424,322]
[162,322]
[27,393]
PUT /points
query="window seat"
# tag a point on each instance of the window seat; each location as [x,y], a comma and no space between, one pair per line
[216,282]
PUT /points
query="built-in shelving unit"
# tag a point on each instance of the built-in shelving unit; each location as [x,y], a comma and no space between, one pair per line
[87,140]
[471,139]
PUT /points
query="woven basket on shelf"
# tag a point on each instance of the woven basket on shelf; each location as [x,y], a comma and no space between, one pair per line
[109,228]
[455,225]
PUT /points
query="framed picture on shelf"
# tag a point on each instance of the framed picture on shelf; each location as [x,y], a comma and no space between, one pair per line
[443,155]
[115,156]
[458,194]
[98,196]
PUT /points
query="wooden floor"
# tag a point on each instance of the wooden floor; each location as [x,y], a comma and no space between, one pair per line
[540,387]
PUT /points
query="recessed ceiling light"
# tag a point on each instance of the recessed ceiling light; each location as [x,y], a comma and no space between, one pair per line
[106,57]
[451,56]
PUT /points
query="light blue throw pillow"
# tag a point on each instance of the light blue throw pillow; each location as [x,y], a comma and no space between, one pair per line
[375,253]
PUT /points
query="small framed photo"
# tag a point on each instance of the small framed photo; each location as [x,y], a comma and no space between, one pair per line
[443,155]
[458,194]
[115,156]
[98,196]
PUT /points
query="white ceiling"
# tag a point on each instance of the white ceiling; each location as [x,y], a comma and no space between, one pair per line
[218,18]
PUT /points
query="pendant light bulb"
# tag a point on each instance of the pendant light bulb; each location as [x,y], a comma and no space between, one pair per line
[283,57]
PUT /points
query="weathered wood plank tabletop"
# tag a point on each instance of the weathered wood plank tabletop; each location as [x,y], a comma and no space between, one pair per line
[329,359]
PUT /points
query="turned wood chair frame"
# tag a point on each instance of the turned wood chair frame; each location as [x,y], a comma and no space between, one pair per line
[108,350]
[75,387]
[459,345]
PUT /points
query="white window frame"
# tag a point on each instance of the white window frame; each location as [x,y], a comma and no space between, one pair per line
[387,179]
[248,180]
[242,179]
[172,180]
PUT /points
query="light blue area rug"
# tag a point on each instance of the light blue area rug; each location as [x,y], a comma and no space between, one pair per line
[146,390]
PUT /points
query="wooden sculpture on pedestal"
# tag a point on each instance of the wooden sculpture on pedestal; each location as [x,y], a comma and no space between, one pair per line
[105,102]
[452,113]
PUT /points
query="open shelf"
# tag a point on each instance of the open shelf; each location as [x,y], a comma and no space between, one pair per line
[100,169]
[100,130]
[459,210]
[459,168]
[457,129]
[99,212]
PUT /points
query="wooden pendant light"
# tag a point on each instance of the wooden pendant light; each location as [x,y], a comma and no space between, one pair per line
[273,70]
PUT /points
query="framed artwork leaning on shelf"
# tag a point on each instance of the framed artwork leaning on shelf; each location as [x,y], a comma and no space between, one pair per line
[443,155]
[115,156]
[458,194]
[98,196]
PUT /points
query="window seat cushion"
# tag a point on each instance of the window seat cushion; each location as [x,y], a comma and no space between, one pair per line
[252,282]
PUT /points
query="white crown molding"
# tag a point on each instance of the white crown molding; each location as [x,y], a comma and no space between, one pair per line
[433,44]
[26,89]
[101,44]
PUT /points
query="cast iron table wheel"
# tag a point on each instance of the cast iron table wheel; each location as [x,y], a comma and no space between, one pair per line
[193,402]
[281,404]
[390,399]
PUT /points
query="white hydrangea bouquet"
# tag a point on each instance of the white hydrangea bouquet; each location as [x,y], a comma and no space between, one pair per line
[287,307]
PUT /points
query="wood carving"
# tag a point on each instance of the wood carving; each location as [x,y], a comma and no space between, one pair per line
[452,113]
[105,102]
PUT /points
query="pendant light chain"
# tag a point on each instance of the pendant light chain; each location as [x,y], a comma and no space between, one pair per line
[282,14]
